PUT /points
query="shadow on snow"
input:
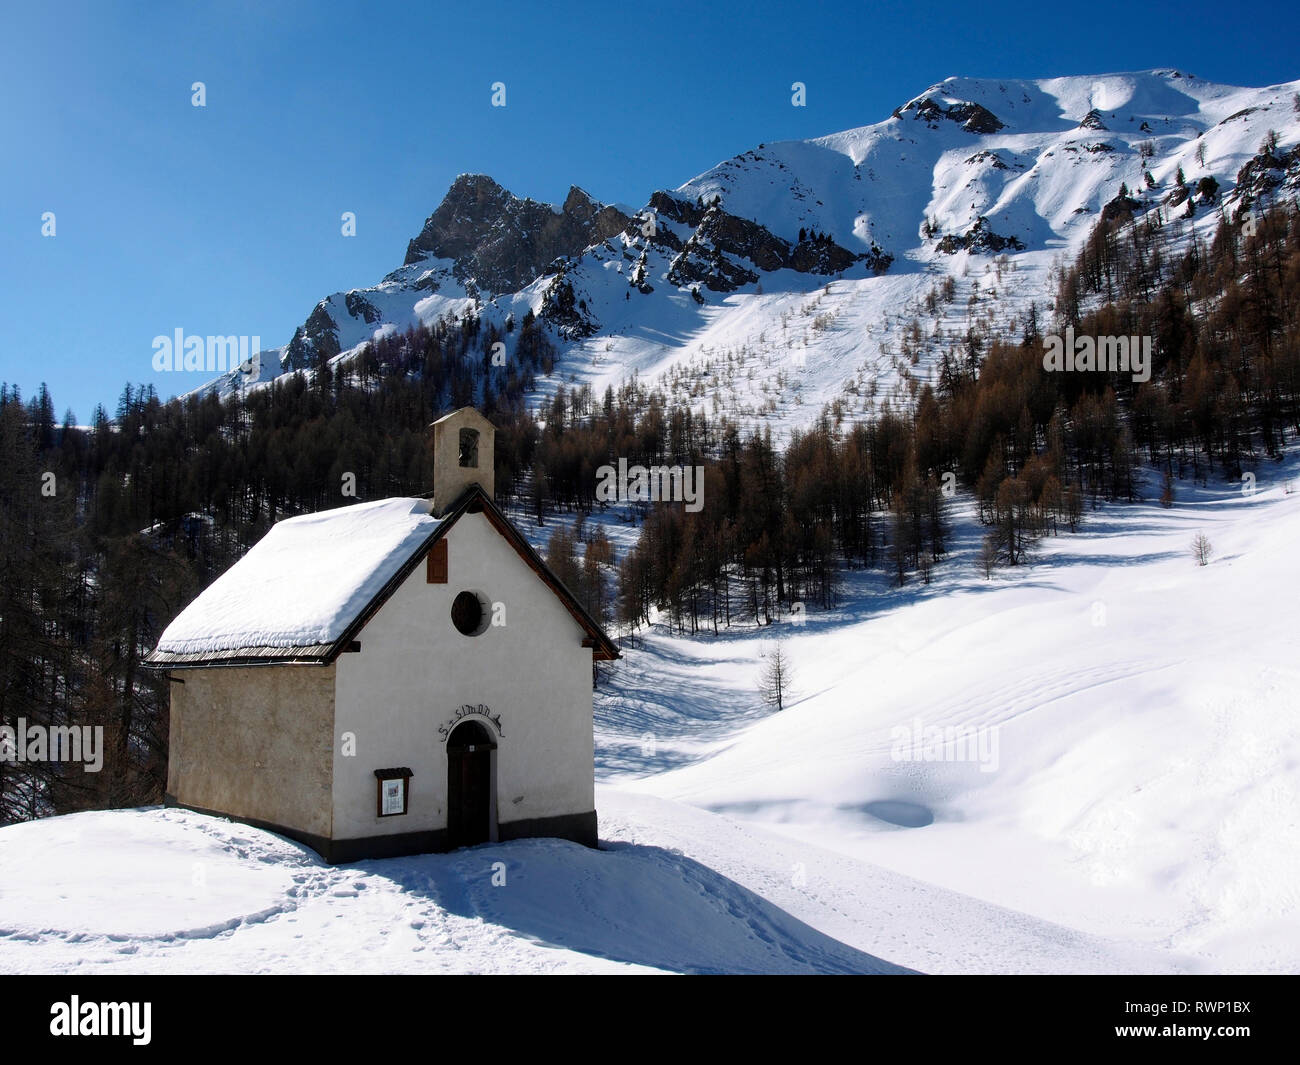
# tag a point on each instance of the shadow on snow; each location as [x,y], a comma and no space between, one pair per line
[627,903]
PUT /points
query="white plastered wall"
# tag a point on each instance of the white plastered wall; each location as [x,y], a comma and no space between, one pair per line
[415,669]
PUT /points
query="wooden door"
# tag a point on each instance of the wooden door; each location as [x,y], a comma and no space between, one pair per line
[469,785]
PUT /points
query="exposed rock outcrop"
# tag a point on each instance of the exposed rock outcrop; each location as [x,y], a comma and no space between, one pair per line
[503,243]
[979,238]
[726,251]
[972,117]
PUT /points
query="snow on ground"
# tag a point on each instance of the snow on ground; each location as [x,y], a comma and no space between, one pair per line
[1138,813]
[673,889]
[1126,720]
[168,890]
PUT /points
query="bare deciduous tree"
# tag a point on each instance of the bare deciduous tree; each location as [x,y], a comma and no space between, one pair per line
[774,680]
[1201,549]
[988,556]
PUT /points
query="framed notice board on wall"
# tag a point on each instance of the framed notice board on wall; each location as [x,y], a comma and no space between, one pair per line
[394,790]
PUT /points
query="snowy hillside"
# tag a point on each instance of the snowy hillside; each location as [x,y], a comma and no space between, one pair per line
[785,278]
[1127,720]
[1129,804]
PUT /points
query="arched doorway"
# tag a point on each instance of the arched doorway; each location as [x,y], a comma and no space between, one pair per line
[471,790]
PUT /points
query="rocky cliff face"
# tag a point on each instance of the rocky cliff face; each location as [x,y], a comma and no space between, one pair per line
[972,117]
[1270,172]
[726,251]
[480,242]
[501,243]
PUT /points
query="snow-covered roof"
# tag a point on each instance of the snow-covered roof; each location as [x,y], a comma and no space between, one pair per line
[303,584]
[309,585]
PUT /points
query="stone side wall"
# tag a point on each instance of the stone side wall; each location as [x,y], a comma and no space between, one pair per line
[255,743]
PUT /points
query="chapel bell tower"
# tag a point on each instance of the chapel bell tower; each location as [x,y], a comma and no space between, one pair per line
[462,456]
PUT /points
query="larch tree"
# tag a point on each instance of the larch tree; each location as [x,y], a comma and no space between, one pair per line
[776,675]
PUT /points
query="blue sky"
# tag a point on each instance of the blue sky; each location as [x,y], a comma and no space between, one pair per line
[226,219]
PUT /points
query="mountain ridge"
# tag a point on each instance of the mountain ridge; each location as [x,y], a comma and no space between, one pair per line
[969,170]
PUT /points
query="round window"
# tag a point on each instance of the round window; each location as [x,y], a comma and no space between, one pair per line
[470,613]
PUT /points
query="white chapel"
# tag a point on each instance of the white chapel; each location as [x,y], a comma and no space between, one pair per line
[390,678]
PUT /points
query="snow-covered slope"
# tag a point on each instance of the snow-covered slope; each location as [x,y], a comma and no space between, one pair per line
[1107,739]
[674,890]
[1128,796]
[784,278]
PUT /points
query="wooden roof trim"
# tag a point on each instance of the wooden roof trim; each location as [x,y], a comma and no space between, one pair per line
[603,648]
[303,655]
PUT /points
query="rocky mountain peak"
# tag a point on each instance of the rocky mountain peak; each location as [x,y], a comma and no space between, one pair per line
[501,243]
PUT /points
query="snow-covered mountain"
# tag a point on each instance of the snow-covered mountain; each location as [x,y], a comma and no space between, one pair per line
[785,277]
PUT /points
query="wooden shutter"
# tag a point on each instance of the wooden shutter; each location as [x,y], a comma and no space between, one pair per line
[436,564]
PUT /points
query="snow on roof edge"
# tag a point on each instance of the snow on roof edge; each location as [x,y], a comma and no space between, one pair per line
[305,582]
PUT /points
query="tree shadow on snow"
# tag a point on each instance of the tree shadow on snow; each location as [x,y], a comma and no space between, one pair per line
[652,717]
